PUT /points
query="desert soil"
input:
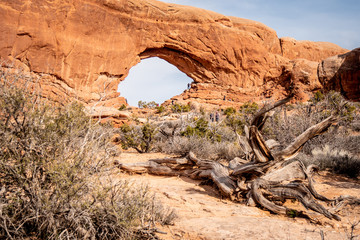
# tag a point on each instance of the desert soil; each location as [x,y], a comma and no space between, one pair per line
[203,214]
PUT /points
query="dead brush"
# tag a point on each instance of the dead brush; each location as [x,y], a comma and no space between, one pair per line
[52,159]
[335,160]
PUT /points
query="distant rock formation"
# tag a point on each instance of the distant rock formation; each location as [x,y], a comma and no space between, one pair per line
[84,48]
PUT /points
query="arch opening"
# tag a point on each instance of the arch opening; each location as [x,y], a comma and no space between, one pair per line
[153,79]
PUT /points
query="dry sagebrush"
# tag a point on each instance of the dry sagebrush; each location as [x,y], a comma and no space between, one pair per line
[51,161]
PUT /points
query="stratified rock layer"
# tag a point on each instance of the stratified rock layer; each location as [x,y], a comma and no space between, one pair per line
[85,48]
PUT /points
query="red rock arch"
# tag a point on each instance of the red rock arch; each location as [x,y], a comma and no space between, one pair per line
[83,45]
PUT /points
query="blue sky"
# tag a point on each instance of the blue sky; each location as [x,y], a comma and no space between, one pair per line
[153,79]
[336,21]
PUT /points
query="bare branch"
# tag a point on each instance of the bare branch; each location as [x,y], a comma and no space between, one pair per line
[293,149]
[260,117]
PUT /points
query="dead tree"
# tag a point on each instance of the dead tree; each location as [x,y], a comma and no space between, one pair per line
[266,178]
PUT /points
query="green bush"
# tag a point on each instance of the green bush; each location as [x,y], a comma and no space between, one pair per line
[140,138]
[201,129]
[236,122]
[144,104]
[160,109]
[349,111]
[179,108]
[53,163]
[332,102]
[229,111]
[249,108]
[317,97]
[122,107]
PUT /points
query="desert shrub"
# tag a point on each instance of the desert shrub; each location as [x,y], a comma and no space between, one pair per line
[160,109]
[227,151]
[249,108]
[356,126]
[122,107]
[201,147]
[334,102]
[229,111]
[195,106]
[178,145]
[207,140]
[317,97]
[138,137]
[141,104]
[236,122]
[201,129]
[246,113]
[285,125]
[220,132]
[179,108]
[144,104]
[168,129]
[335,160]
[52,162]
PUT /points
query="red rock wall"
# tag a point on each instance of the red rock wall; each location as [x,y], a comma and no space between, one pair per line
[342,73]
[312,51]
[85,46]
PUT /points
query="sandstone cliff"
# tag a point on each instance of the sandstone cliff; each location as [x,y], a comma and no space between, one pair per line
[342,73]
[84,48]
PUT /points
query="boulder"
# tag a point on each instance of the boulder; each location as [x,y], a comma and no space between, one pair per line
[342,73]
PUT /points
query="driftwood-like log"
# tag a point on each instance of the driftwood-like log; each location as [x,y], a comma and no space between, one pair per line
[264,177]
[299,191]
[259,146]
[244,144]
[292,150]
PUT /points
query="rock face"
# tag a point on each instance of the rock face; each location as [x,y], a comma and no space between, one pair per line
[85,48]
[313,51]
[342,73]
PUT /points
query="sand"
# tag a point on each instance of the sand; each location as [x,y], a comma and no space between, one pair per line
[203,214]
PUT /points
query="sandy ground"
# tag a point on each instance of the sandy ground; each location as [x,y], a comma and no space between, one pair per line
[202,214]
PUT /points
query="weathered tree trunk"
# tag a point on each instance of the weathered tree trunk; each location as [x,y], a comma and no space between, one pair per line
[263,178]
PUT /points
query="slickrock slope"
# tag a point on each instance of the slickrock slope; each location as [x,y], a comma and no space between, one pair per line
[84,48]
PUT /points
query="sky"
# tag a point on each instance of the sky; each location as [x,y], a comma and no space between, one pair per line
[336,21]
[153,79]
